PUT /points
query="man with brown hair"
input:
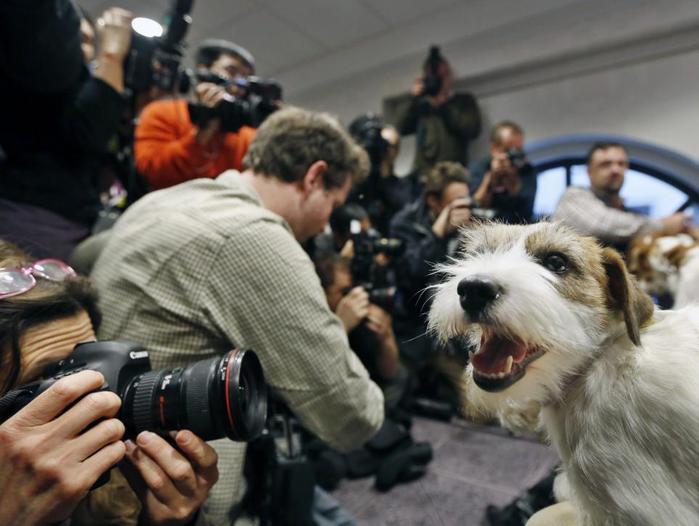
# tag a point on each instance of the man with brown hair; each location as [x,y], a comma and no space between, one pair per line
[599,210]
[208,265]
[505,181]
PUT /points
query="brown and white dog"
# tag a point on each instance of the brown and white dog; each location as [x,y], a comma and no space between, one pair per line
[562,325]
[666,264]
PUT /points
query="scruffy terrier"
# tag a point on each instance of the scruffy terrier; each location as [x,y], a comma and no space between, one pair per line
[563,326]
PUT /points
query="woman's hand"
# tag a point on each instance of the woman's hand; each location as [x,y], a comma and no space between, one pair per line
[171,483]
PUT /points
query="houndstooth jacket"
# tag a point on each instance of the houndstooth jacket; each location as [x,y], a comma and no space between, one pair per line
[195,270]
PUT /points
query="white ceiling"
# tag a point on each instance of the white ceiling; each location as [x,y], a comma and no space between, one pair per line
[284,33]
[309,43]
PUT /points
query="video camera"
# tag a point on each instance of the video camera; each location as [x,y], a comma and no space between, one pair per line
[259,102]
[219,397]
[157,61]
[432,81]
[376,279]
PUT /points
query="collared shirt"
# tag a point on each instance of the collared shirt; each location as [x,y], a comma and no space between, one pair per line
[588,214]
[195,270]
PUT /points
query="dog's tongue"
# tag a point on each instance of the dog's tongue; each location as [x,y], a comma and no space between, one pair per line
[492,356]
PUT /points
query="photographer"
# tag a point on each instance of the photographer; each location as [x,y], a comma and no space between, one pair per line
[196,269]
[369,326]
[383,193]
[429,230]
[54,449]
[444,122]
[336,241]
[57,120]
[170,149]
[505,180]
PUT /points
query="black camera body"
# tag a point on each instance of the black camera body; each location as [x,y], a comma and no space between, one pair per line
[259,102]
[376,279]
[157,61]
[518,158]
[214,398]
[432,81]
[366,131]
[477,212]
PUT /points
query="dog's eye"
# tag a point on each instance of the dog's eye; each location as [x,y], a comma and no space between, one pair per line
[556,263]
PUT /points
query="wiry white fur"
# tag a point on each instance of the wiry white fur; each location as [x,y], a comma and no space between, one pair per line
[531,310]
[624,419]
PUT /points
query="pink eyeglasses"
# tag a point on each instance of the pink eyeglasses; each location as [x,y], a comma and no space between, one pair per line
[18,280]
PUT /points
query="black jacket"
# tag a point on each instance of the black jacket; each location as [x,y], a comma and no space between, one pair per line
[56,118]
[443,132]
[382,198]
[511,209]
[423,249]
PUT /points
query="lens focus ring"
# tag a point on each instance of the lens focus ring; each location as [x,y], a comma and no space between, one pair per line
[143,407]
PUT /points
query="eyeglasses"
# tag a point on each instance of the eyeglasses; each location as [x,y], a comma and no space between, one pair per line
[18,280]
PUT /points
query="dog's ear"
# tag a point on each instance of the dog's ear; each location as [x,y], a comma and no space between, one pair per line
[624,294]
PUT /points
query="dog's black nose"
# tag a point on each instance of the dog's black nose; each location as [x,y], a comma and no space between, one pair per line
[476,293]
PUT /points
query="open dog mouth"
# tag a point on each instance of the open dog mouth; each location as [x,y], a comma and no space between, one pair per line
[500,361]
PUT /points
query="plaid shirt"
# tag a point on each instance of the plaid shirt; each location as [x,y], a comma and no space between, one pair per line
[587,214]
[200,268]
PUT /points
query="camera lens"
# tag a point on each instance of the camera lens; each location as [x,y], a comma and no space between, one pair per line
[215,398]
[383,297]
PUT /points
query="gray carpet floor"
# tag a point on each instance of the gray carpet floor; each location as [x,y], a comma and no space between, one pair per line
[473,466]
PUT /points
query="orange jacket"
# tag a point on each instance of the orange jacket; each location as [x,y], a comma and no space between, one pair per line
[167,152]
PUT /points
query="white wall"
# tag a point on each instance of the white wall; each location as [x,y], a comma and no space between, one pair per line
[655,101]
[625,68]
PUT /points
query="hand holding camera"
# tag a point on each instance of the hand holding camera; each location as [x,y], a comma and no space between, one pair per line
[48,459]
[209,94]
[57,455]
[452,217]
[353,308]
[171,484]
[378,321]
[431,85]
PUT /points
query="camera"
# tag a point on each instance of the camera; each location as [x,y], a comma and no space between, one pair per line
[225,396]
[366,131]
[432,81]
[477,212]
[156,61]
[376,279]
[258,102]
[517,157]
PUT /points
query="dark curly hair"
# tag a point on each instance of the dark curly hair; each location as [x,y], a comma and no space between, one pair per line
[48,301]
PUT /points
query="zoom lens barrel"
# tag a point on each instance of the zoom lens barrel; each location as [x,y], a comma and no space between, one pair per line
[215,398]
